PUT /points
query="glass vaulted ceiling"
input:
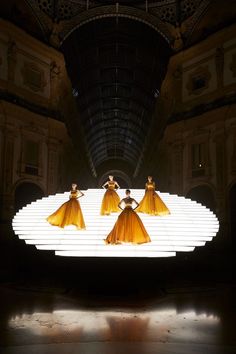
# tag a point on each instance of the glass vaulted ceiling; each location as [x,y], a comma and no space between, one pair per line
[116,66]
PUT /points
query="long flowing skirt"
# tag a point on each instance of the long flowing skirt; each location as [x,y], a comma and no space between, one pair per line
[128,228]
[110,202]
[152,204]
[69,213]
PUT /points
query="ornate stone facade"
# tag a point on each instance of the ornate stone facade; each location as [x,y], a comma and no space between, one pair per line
[35,148]
[199,141]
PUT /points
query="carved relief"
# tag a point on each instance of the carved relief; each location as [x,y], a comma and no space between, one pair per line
[198,80]
[54,36]
[177,32]
[56,76]
[33,77]
[55,70]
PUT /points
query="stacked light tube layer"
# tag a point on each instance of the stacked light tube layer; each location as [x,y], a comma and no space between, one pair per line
[190,224]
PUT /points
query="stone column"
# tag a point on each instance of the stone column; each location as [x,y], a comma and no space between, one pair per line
[55,79]
[52,166]
[219,60]
[11,57]
[1,157]
[221,177]
[233,158]
[7,204]
[220,167]
[177,168]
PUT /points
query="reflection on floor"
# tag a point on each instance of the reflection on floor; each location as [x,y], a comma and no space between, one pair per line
[53,320]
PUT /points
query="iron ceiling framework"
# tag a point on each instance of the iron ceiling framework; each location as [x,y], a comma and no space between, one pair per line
[117,54]
[116,67]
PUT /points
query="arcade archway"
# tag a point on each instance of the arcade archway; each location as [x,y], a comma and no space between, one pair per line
[123,180]
[26,193]
[204,195]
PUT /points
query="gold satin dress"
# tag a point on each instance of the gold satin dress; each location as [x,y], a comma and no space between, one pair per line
[69,213]
[110,200]
[151,203]
[128,227]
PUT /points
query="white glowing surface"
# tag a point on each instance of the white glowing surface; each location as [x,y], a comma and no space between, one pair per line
[190,224]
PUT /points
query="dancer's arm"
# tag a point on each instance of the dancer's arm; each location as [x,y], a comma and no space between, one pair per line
[117,185]
[104,185]
[119,205]
[137,204]
[79,194]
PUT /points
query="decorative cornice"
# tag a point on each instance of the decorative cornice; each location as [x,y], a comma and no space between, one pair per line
[202,108]
[111,11]
[192,22]
[58,19]
[43,111]
[42,19]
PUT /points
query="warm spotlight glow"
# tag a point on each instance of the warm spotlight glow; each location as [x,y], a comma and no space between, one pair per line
[81,323]
[189,225]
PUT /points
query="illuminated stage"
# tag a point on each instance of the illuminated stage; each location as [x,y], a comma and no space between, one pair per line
[189,225]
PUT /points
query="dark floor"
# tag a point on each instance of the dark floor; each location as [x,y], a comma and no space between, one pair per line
[38,318]
[56,305]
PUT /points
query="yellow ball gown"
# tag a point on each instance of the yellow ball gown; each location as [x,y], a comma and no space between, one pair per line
[69,213]
[110,200]
[151,203]
[128,227]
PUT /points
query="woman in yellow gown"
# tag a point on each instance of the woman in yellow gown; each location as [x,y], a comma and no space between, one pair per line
[151,203]
[110,199]
[70,212]
[128,227]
